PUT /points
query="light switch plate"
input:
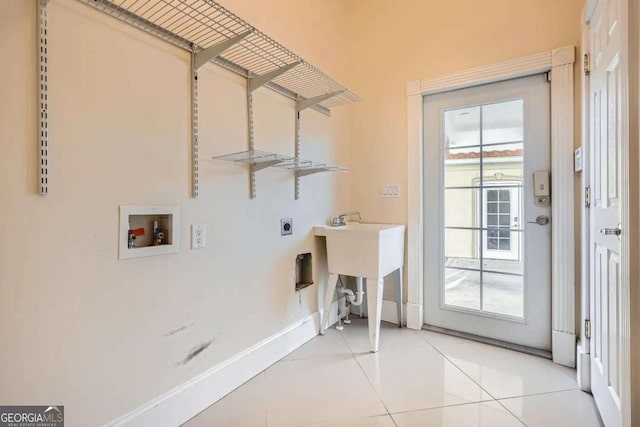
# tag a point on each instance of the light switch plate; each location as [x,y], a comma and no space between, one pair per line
[198,236]
[390,191]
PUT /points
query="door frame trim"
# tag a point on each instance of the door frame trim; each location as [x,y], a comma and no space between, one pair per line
[560,62]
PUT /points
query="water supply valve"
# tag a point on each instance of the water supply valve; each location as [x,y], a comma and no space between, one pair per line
[133,234]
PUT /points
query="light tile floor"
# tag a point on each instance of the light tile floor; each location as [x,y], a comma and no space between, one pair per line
[418,378]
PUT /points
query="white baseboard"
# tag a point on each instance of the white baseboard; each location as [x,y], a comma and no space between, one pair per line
[583,368]
[415,316]
[185,401]
[563,348]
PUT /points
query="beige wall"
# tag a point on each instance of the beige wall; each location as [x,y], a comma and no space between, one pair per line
[396,42]
[78,326]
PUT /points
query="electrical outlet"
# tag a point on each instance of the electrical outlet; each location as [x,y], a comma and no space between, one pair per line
[390,191]
[198,236]
[286,226]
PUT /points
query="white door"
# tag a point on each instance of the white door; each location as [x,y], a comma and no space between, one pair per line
[487,262]
[605,210]
[501,216]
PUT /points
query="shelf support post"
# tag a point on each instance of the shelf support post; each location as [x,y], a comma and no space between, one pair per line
[257,81]
[310,102]
[43,100]
[252,168]
[211,52]
[195,173]
[254,83]
[297,150]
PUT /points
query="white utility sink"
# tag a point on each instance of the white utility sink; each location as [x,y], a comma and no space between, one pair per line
[369,251]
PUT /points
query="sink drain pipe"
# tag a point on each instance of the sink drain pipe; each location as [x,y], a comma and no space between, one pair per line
[354,298]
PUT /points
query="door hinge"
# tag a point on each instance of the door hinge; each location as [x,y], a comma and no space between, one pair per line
[587,328]
[587,64]
[587,197]
[547,76]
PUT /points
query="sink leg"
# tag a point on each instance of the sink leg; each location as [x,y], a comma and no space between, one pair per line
[374,310]
[328,299]
[399,295]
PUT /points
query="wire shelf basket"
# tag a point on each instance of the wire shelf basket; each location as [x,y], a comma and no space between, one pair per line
[279,161]
[196,25]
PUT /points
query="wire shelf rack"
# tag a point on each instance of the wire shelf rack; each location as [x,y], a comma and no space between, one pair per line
[196,25]
[263,159]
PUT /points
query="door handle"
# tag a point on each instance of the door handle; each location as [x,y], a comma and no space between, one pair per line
[611,231]
[540,220]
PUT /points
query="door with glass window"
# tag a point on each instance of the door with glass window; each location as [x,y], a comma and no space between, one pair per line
[487,259]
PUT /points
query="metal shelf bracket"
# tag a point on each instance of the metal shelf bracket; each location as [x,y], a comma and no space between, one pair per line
[257,81]
[43,100]
[264,165]
[308,103]
[210,53]
[306,172]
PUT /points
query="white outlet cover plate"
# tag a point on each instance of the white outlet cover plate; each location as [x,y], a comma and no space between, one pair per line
[198,236]
[390,191]
[286,226]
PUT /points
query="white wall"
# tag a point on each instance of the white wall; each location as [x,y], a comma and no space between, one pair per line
[78,326]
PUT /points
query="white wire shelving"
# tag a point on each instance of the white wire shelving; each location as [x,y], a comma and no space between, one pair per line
[213,34]
[203,24]
[264,159]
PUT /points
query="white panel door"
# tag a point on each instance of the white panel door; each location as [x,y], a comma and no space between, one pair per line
[487,262]
[605,99]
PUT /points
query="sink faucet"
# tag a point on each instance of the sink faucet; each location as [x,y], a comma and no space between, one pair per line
[339,220]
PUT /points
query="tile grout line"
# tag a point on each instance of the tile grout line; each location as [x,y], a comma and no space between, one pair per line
[541,393]
[457,367]
[475,382]
[367,378]
[509,411]
[498,401]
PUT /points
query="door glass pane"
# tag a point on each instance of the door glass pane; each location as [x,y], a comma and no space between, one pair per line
[461,248]
[462,147]
[503,294]
[462,127]
[462,288]
[460,207]
[463,172]
[502,164]
[483,173]
[502,123]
